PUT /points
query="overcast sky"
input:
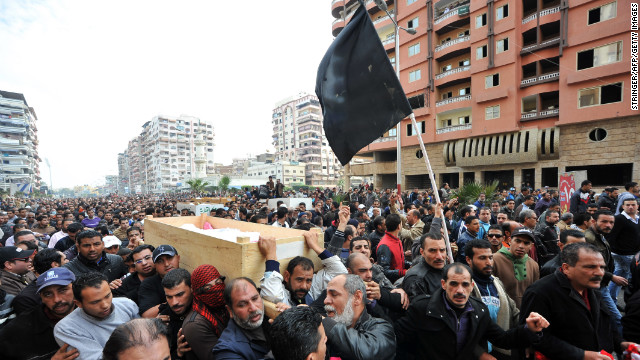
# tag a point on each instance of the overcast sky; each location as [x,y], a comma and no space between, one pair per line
[95,71]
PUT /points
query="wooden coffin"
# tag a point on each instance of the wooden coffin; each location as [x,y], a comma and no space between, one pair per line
[231,259]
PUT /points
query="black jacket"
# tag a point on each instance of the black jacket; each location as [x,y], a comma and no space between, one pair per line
[631,319]
[428,325]
[550,266]
[370,338]
[573,328]
[29,336]
[27,299]
[422,279]
[129,288]
[110,265]
[624,237]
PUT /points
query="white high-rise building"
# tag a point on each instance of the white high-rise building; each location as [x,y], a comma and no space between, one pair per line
[19,167]
[298,135]
[168,154]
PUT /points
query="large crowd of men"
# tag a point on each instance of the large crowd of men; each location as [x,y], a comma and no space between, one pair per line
[507,276]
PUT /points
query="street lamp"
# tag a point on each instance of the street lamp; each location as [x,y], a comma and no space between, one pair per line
[383,6]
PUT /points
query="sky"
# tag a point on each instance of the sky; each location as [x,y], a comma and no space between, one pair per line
[96,71]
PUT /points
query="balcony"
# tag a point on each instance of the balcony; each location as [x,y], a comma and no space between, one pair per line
[452,42]
[384,139]
[308,118]
[452,71]
[544,44]
[542,13]
[448,129]
[452,100]
[390,40]
[540,79]
[536,115]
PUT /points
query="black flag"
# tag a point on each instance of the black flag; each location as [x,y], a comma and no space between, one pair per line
[359,92]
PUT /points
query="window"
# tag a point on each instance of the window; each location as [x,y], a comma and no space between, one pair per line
[600,95]
[464,120]
[481,20]
[491,81]
[392,132]
[414,49]
[602,13]
[463,33]
[481,52]
[502,12]
[445,40]
[445,123]
[502,45]
[409,2]
[446,95]
[464,91]
[413,23]
[464,62]
[492,112]
[415,75]
[421,128]
[529,104]
[446,68]
[602,55]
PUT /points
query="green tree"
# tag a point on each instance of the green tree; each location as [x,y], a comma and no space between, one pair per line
[18,194]
[468,193]
[197,185]
[223,184]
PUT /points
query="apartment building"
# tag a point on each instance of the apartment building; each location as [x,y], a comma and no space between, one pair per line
[289,172]
[514,91]
[298,136]
[19,169]
[168,151]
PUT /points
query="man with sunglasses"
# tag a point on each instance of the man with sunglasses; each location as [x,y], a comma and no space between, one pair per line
[496,238]
[14,267]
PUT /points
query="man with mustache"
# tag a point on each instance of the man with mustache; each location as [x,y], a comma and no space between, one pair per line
[514,267]
[351,332]
[424,277]
[491,291]
[92,257]
[18,338]
[450,324]
[177,289]
[246,334]
[571,299]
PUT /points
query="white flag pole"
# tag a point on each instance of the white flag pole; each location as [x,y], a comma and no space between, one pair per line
[433,185]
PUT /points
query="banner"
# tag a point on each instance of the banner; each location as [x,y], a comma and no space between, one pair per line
[567,186]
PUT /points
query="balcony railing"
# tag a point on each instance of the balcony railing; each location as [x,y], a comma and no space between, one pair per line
[540,78]
[452,71]
[452,100]
[450,13]
[386,17]
[384,139]
[453,128]
[452,42]
[533,115]
[389,40]
[541,45]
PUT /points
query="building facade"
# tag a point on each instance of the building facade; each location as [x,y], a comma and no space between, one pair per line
[514,91]
[20,165]
[167,152]
[289,172]
[298,136]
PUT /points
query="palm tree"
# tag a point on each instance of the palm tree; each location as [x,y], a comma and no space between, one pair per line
[468,193]
[197,185]
[223,184]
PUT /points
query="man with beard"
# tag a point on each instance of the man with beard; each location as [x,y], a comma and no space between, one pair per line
[208,317]
[496,238]
[151,293]
[92,257]
[246,334]
[177,290]
[142,257]
[491,291]
[570,298]
[351,332]
[292,288]
[30,335]
[89,326]
[514,267]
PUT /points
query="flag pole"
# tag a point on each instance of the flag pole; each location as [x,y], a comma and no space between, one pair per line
[433,185]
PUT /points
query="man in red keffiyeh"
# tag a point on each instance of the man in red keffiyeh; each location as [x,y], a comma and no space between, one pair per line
[208,317]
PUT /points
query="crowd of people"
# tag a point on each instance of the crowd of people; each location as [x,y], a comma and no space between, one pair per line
[507,276]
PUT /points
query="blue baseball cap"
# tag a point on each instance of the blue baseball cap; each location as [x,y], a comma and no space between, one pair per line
[55,276]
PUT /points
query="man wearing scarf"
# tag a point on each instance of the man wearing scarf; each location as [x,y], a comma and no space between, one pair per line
[208,317]
[514,267]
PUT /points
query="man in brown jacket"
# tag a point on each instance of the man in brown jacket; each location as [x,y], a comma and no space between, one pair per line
[514,267]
